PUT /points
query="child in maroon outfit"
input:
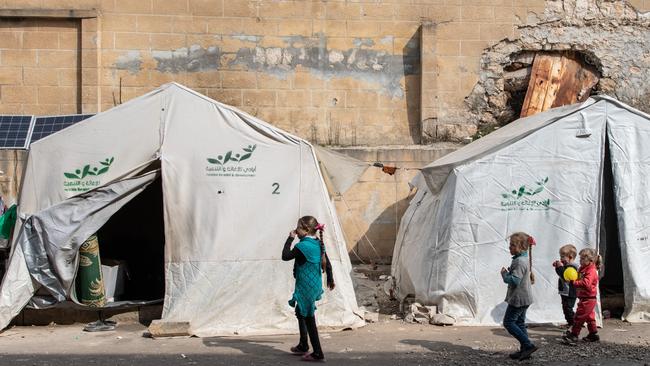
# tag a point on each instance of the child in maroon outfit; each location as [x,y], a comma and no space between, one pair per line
[586,290]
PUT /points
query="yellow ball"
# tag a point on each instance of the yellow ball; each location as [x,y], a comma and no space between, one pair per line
[570,274]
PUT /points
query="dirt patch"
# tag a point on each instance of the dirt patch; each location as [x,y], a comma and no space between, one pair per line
[371,285]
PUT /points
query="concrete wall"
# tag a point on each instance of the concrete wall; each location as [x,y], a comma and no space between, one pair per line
[335,72]
[371,210]
[39,72]
[345,73]
[361,74]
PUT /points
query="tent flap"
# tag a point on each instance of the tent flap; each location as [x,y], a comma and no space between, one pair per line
[47,245]
[628,134]
[342,171]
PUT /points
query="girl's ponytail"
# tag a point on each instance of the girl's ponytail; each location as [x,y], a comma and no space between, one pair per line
[531,243]
[323,259]
[599,262]
[525,242]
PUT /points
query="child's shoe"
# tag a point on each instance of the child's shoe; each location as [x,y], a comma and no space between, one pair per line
[526,352]
[312,357]
[299,350]
[570,338]
[592,337]
[515,355]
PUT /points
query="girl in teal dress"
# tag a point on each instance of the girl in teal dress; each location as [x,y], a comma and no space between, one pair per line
[310,261]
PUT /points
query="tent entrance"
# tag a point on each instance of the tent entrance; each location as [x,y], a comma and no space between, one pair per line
[132,246]
[611,284]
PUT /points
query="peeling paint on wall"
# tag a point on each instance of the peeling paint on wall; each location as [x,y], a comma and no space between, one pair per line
[360,42]
[247,38]
[131,61]
[361,62]
[387,40]
[194,59]
[372,66]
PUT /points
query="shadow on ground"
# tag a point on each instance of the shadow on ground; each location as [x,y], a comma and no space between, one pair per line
[238,351]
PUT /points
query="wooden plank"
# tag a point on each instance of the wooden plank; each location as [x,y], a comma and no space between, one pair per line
[49,13]
[538,85]
[557,80]
[577,81]
[554,83]
[567,94]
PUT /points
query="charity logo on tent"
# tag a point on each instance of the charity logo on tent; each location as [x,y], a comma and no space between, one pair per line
[87,177]
[230,165]
[524,198]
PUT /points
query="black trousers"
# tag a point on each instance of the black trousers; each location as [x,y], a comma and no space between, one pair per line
[568,303]
[307,326]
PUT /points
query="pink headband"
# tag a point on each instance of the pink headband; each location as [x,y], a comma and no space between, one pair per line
[320,227]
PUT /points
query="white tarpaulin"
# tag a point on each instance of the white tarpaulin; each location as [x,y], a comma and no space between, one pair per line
[542,175]
[341,170]
[233,188]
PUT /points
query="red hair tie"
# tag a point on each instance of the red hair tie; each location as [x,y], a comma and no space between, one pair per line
[320,227]
[531,241]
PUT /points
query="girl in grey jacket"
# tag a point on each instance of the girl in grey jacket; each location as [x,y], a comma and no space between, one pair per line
[519,296]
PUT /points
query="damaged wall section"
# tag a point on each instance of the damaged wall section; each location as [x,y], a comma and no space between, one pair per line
[378,67]
[611,36]
[373,96]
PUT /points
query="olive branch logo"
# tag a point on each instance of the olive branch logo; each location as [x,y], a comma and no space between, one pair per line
[227,157]
[525,191]
[87,170]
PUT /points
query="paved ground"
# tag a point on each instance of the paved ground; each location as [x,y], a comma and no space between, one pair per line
[389,342]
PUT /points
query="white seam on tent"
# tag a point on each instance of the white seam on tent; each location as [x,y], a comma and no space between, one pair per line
[602,178]
[164,108]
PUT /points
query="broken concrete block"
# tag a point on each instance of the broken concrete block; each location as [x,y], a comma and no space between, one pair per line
[409,318]
[442,319]
[417,314]
[433,309]
[160,328]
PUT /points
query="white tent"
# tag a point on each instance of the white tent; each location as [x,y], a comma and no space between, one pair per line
[232,188]
[543,175]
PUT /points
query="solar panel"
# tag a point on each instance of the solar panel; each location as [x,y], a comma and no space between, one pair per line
[47,125]
[14,131]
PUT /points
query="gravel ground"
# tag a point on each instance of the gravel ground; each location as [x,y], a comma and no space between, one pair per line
[390,341]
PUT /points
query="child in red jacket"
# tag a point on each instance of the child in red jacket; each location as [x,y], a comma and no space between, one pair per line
[586,289]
